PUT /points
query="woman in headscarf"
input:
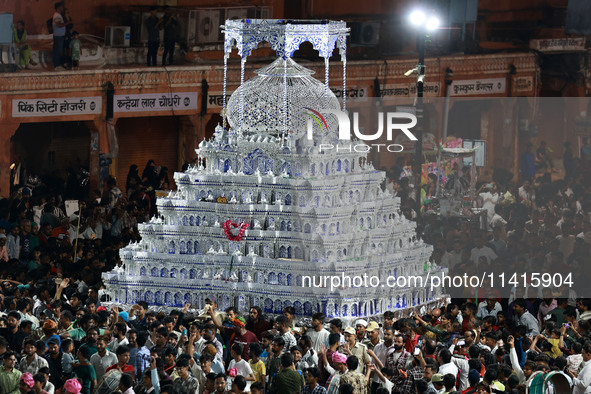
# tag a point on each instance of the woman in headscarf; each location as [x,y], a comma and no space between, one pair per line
[20,39]
[150,176]
[133,179]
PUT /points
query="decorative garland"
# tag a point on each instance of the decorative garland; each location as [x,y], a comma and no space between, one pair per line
[228,225]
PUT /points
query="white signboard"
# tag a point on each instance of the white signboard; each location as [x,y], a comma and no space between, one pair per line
[558,44]
[155,102]
[352,92]
[523,84]
[56,106]
[71,207]
[216,99]
[430,89]
[480,154]
[474,87]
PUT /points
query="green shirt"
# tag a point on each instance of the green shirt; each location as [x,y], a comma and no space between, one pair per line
[287,381]
[91,348]
[87,374]
[78,333]
[9,381]
[75,46]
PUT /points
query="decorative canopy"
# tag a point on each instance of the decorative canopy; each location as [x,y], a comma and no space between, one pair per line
[263,108]
[284,36]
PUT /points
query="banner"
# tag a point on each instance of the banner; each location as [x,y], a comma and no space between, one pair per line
[558,44]
[56,106]
[474,87]
[155,102]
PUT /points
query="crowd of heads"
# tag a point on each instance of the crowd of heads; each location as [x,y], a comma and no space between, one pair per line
[58,329]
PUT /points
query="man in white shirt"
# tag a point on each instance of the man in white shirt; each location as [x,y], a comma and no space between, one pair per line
[103,358]
[380,353]
[446,366]
[481,250]
[119,339]
[452,258]
[582,381]
[489,307]
[522,317]
[59,34]
[526,192]
[318,334]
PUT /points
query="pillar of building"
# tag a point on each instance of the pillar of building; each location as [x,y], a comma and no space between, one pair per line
[191,133]
[7,130]
[99,143]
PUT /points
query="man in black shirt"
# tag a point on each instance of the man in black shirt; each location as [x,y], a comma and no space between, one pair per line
[153,26]
[13,334]
[169,24]
[54,359]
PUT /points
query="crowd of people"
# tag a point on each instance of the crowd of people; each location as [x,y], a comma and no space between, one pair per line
[60,334]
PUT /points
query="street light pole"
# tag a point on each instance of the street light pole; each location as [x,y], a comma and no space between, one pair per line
[418,165]
[423,25]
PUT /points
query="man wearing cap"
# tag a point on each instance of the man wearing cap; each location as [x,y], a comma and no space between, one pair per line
[49,330]
[373,335]
[361,326]
[353,348]
[339,360]
[238,334]
[54,360]
[437,382]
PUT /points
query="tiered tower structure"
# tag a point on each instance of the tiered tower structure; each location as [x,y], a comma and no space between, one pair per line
[266,215]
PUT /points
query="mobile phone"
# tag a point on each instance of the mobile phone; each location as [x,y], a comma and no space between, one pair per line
[461,343]
[417,351]
[185,332]
[566,325]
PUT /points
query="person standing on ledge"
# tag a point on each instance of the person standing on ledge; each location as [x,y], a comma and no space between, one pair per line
[169,23]
[153,25]
[59,35]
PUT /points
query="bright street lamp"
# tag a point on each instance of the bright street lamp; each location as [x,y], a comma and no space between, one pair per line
[417,18]
[423,25]
[432,23]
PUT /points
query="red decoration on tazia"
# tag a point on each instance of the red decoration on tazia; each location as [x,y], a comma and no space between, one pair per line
[228,225]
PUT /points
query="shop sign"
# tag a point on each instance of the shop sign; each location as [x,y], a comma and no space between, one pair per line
[478,87]
[177,101]
[56,106]
[558,44]
[523,84]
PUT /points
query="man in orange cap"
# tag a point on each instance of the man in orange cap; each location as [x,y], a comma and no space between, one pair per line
[242,336]
[50,331]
